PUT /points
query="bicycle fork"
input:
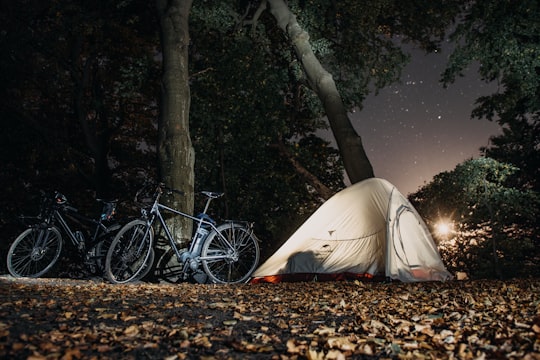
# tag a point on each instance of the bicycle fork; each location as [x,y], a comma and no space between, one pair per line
[41,245]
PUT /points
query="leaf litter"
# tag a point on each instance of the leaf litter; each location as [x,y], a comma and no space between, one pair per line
[83,319]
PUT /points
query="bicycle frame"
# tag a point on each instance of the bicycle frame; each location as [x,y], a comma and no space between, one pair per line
[81,243]
[57,216]
[155,211]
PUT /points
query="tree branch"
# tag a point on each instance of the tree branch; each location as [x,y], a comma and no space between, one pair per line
[257,15]
[324,191]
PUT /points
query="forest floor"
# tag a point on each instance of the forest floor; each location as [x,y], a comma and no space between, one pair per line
[85,319]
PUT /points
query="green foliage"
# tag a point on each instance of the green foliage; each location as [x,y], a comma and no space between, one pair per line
[245,103]
[489,215]
[519,144]
[502,36]
[249,94]
[358,42]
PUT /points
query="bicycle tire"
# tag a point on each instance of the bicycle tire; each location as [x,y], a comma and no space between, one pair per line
[25,259]
[100,254]
[168,268]
[102,247]
[147,265]
[129,253]
[245,259]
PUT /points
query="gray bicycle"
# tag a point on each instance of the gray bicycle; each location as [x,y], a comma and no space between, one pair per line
[227,253]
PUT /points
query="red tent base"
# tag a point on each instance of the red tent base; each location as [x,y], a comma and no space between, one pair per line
[274,279]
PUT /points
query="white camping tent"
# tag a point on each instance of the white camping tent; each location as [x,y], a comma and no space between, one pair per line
[366,230]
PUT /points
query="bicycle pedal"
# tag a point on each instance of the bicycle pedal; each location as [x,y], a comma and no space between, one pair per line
[200,277]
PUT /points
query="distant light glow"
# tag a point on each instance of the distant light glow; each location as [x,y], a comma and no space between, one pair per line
[444,228]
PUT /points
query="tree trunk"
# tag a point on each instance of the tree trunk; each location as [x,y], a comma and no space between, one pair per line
[355,160]
[175,150]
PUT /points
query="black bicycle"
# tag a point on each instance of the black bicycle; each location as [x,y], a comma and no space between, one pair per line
[35,251]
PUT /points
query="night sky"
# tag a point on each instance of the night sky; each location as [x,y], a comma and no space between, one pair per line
[417,129]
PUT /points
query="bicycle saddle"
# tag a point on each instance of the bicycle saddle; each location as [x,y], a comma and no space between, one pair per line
[213,195]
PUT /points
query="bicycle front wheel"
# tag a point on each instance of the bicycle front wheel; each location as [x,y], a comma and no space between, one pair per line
[129,253]
[34,252]
[231,254]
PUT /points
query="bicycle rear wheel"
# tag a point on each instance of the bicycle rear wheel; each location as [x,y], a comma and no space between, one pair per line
[231,254]
[168,267]
[129,254]
[34,252]
[98,253]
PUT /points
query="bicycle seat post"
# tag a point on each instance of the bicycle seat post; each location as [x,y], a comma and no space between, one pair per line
[207,205]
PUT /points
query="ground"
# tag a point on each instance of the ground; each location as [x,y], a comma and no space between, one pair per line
[82,319]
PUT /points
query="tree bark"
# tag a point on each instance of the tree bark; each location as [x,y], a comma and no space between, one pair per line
[175,150]
[353,155]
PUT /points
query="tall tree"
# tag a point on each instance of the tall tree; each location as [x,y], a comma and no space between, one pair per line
[176,153]
[519,144]
[359,44]
[254,103]
[352,151]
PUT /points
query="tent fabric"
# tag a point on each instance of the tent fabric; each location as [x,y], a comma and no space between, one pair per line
[368,230]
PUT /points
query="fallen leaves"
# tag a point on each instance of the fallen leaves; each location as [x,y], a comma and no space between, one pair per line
[52,318]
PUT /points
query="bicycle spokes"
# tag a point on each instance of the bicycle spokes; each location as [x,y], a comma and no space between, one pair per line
[130,255]
[34,252]
[231,255]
